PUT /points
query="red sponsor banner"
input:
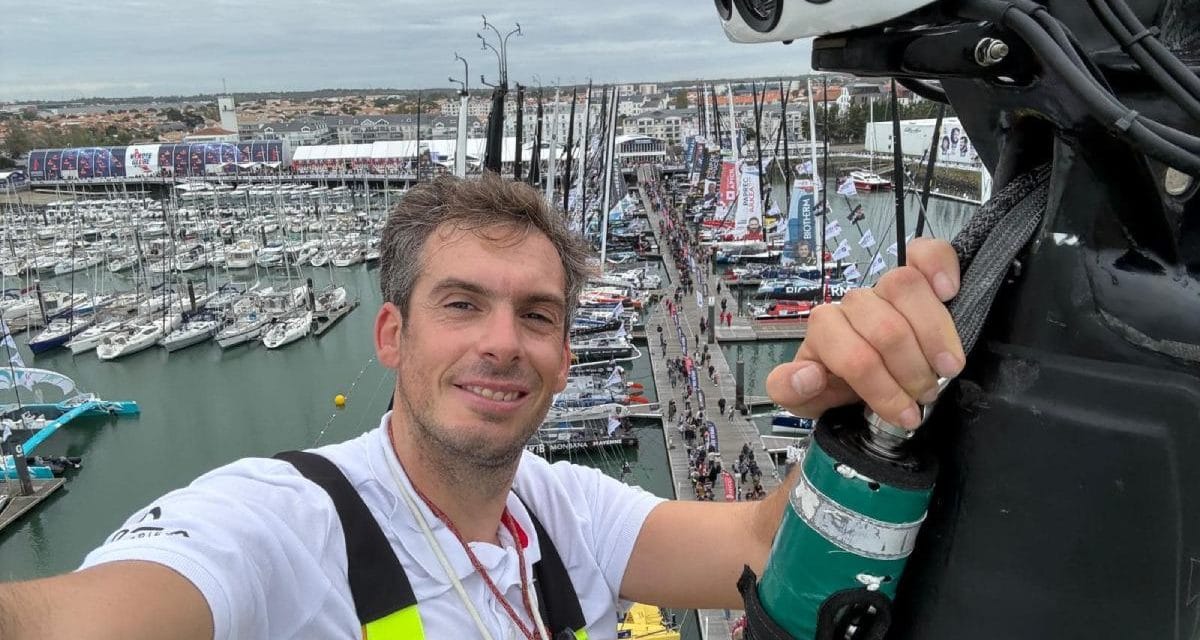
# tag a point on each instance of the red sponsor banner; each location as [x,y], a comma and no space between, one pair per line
[730,491]
[729,177]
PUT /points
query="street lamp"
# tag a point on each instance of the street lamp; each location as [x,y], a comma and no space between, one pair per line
[502,52]
[492,157]
[460,145]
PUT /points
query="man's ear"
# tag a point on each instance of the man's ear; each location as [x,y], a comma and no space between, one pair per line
[389,323]
[565,372]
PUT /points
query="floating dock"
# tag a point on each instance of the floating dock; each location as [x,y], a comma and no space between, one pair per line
[18,505]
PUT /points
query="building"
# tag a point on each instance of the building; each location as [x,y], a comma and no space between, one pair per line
[298,132]
[367,129]
[228,115]
[672,126]
[640,149]
[212,134]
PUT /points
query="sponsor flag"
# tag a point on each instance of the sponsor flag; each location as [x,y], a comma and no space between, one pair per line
[852,273]
[867,240]
[847,188]
[807,167]
[833,229]
[613,424]
[843,250]
[892,249]
[14,356]
[877,265]
[7,432]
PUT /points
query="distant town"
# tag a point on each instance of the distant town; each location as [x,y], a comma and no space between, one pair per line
[667,112]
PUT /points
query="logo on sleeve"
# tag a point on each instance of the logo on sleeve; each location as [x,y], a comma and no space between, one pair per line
[144,530]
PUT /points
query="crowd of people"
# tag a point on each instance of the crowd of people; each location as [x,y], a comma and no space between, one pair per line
[710,477]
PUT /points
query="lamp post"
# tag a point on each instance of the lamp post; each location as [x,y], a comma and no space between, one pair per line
[493,156]
[460,146]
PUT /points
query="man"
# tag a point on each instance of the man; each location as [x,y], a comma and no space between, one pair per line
[480,280]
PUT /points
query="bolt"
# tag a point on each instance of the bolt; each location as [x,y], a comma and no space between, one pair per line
[990,51]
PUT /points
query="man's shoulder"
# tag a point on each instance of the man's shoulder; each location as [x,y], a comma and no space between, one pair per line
[350,456]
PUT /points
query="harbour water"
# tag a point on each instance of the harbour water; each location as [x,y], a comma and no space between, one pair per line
[203,407]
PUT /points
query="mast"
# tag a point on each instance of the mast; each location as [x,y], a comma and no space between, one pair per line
[418,150]
[817,184]
[733,129]
[897,178]
[520,131]
[608,172]
[552,164]
[570,155]
[535,167]
[759,100]
[460,145]
[787,158]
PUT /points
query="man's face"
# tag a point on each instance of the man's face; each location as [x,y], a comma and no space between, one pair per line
[483,349]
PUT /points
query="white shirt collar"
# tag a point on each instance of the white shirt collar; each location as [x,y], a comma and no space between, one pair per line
[428,578]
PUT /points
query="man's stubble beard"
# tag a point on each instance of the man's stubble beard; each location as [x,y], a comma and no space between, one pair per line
[462,454]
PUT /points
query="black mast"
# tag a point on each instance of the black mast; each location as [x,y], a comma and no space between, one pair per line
[520,131]
[898,177]
[535,160]
[493,155]
[933,150]
[570,152]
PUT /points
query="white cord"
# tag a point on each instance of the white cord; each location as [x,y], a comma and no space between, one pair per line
[393,467]
[437,547]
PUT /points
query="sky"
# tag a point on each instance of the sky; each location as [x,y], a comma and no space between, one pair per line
[68,49]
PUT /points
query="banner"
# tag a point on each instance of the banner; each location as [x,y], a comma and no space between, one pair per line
[843,250]
[800,245]
[37,165]
[748,220]
[833,229]
[867,240]
[851,272]
[729,185]
[877,265]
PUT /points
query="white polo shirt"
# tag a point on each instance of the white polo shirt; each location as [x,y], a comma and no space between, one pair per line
[265,547]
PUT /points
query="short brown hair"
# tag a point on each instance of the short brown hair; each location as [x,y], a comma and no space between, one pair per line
[472,204]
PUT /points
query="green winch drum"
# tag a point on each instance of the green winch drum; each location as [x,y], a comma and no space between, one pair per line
[852,524]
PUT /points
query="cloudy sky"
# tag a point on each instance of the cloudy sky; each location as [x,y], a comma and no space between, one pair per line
[75,48]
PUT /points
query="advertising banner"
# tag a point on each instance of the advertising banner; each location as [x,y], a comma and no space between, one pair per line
[54,164]
[801,244]
[70,164]
[37,165]
[83,166]
[748,220]
[729,185]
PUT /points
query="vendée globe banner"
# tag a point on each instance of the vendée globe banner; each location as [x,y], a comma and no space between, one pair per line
[185,159]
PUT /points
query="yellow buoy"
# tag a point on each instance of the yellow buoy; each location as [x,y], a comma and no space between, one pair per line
[339,401]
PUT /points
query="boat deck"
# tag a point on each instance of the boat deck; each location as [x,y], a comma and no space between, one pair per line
[19,505]
[731,433]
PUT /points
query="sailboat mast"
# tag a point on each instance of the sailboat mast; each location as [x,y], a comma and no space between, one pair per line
[732,125]
[608,175]
[818,186]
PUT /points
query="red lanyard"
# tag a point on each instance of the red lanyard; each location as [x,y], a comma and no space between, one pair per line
[531,632]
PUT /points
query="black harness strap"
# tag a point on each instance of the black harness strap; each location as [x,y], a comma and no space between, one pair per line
[378,583]
[557,600]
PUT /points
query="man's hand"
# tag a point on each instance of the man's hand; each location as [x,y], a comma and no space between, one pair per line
[886,345]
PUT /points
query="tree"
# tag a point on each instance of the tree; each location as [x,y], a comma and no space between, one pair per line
[18,141]
[681,99]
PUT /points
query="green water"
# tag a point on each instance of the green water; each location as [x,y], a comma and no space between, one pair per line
[203,407]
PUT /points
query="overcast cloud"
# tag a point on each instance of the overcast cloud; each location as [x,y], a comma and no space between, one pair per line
[75,48]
